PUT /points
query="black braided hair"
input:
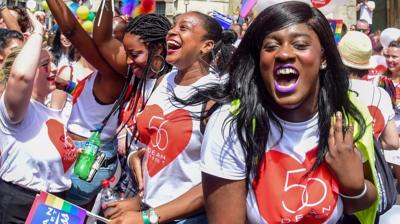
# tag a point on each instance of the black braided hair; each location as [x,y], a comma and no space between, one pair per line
[150,27]
[152,30]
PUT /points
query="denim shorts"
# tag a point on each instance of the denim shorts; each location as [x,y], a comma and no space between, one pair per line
[83,192]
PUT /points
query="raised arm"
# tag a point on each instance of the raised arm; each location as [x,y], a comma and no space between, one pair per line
[10,21]
[78,36]
[110,48]
[371,5]
[20,83]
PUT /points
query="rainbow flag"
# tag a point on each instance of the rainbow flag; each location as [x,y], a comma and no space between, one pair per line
[336,25]
[48,208]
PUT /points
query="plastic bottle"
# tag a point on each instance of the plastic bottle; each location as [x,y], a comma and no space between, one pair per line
[86,159]
[108,194]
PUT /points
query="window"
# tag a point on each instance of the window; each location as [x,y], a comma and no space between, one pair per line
[160,8]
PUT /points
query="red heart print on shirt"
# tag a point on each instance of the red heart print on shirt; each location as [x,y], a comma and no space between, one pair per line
[320,3]
[166,135]
[127,113]
[286,194]
[379,120]
[63,143]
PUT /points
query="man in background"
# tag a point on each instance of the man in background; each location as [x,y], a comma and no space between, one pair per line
[366,9]
[363,26]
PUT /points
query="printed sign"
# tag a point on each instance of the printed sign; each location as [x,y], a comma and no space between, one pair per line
[50,209]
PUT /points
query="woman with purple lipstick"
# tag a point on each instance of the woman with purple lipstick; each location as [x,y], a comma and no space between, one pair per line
[286,143]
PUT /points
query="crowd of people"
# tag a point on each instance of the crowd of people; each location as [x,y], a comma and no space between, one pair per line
[270,121]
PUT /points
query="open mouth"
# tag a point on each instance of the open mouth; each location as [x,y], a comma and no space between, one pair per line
[286,79]
[51,78]
[173,46]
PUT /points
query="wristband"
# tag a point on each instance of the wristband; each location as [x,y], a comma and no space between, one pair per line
[364,192]
[153,217]
[145,217]
[70,87]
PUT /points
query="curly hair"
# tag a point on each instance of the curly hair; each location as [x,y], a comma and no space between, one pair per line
[23,18]
[152,29]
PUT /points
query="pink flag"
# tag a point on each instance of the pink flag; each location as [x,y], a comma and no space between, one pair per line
[247,7]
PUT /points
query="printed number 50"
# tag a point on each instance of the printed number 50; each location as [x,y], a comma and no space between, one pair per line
[304,196]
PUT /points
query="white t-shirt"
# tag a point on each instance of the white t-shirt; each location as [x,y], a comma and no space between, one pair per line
[366,13]
[63,61]
[126,117]
[171,165]
[282,194]
[377,101]
[87,113]
[36,153]
[78,73]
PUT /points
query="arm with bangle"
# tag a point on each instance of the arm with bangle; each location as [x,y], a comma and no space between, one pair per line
[353,177]
[67,86]
[188,204]
[70,89]
[362,198]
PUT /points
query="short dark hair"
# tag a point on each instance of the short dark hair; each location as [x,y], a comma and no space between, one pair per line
[7,35]
[395,43]
[357,72]
[363,21]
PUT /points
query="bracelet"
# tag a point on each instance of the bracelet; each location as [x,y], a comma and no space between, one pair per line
[145,217]
[71,87]
[356,196]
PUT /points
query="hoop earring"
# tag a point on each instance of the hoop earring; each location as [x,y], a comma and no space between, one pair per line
[162,64]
